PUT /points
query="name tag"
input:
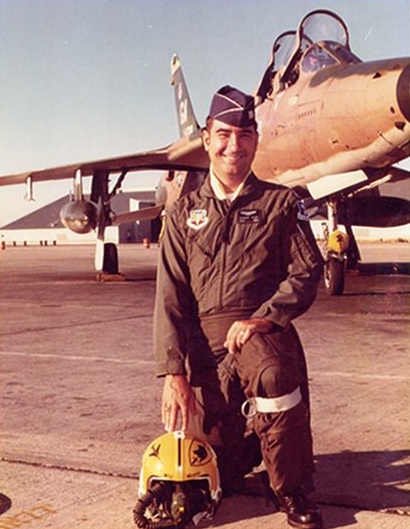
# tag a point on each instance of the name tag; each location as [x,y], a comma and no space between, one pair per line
[251,216]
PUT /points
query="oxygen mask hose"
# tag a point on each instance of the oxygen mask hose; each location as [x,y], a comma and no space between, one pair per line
[144,503]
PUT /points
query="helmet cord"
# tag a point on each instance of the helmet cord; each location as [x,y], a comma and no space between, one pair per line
[142,505]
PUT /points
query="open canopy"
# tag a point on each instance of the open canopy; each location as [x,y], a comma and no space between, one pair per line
[321,40]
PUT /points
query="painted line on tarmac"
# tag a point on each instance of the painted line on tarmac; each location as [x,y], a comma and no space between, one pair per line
[80,324]
[357,375]
[151,362]
[78,358]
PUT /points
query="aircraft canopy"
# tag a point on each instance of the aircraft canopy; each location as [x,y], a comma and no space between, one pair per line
[322,39]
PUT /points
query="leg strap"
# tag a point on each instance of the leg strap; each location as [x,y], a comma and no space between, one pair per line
[255,405]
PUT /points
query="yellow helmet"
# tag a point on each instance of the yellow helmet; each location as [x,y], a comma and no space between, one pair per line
[179,481]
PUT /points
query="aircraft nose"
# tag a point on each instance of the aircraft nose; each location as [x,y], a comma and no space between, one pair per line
[403,92]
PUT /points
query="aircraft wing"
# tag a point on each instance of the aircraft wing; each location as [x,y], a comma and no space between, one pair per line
[186,153]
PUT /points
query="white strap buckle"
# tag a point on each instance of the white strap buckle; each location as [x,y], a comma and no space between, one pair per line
[255,405]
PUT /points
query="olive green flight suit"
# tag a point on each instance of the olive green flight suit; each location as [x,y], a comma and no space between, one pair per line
[221,262]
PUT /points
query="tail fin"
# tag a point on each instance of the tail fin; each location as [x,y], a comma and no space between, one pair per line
[188,125]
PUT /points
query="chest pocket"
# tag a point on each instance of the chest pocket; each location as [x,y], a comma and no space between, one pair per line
[206,242]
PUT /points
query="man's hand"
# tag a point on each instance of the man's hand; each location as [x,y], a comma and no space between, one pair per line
[177,398]
[241,331]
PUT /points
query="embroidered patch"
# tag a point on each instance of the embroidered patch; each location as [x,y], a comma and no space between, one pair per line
[198,218]
[251,216]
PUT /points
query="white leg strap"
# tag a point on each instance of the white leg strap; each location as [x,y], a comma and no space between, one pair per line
[286,402]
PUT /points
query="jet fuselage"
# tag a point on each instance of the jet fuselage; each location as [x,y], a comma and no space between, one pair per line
[338,119]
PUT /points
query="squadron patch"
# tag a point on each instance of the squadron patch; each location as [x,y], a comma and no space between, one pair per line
[199,454]
[198,218]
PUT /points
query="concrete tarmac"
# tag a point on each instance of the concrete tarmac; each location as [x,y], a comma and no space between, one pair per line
[80,402]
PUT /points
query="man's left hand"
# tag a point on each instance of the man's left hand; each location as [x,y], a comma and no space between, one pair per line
[241,331]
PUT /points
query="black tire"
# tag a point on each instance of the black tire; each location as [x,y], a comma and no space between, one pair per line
[110,261]
[334,275]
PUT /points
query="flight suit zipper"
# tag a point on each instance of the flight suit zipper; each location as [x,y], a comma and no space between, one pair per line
[226,231]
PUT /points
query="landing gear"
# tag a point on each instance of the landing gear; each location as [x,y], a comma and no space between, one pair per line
[334,276]
[106,254]
[110,258]
[337,243]
[106,262]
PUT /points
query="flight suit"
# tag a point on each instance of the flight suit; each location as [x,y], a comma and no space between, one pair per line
[224,261]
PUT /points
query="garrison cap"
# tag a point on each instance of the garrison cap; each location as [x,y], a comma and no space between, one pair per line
[233,107]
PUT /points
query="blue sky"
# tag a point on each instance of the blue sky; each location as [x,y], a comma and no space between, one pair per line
[88,79]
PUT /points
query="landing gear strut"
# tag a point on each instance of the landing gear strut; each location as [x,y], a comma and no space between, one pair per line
[106,254]
[110,258]
[106,262]
[337,243]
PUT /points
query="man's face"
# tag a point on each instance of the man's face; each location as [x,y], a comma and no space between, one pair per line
[231,150]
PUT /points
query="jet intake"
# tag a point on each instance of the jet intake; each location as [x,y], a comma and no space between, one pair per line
[79,216]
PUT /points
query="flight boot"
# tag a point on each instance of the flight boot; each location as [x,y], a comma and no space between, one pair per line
[301,512]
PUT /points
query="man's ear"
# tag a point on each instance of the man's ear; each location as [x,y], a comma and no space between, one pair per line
[205,138]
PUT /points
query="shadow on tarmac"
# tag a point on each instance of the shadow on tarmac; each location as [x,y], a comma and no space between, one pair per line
[384,268]
[374,480]
[5,503]
[374,293]
[240,510]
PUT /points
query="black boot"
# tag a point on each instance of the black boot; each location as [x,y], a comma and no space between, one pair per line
[302,513]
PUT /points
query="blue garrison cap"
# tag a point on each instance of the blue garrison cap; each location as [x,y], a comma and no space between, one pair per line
[233,107]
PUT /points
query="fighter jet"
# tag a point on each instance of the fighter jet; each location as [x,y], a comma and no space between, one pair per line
[330,125]
[334,125]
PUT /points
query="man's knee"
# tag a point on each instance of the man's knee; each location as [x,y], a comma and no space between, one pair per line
[275,381]
[269,364]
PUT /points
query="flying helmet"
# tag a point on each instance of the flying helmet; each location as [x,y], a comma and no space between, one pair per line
[179,482]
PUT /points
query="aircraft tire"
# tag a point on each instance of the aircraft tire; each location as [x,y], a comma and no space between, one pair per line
[110,262]
[334,275]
